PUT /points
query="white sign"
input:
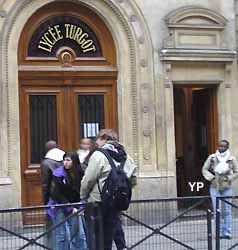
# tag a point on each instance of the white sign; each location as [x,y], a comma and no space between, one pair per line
[90,129]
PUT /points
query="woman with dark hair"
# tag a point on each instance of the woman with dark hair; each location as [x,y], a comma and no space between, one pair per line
[65,189]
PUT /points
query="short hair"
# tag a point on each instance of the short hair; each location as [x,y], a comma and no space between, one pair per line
[50,145]
[227,142]
[107,134]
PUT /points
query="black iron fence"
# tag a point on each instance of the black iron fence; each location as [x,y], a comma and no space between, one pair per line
[179,223]
[33,228]
[227,214]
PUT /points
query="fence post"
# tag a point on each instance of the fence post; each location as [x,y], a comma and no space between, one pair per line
[209,229]
[218,213]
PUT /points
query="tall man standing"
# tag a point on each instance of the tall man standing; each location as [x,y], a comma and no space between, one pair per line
[97,172]
[220,169]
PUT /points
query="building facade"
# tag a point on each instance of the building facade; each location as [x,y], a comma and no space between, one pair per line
[163,74]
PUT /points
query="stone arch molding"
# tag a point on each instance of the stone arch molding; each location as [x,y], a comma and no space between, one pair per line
[195,27]
[179,16]
[135,67]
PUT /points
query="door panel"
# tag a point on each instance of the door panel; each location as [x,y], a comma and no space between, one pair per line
[40,122]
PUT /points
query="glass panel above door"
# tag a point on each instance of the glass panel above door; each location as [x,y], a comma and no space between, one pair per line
[91,115]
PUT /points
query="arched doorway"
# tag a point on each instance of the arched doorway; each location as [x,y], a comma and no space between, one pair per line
[67,84]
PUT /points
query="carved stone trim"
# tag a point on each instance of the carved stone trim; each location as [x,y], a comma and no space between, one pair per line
[187,31]
[133,76]
[169,54]
[3,13]
[167,71]
[228,70]
[175,16]
[8,26]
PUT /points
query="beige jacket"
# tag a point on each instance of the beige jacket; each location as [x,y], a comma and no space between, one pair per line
[98,169]
[220,182]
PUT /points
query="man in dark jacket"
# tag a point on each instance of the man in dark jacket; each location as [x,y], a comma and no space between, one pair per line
[52,160]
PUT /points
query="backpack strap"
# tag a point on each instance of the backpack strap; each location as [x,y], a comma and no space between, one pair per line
[108,156]
[111,162]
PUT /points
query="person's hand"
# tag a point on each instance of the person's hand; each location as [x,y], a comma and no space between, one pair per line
[75,210]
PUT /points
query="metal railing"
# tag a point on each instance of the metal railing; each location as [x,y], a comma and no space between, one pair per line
[179,223]
[32,228]
[224,205]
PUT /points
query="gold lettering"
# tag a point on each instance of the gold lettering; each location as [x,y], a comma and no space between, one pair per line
[52,34]
[67,29]
[72,31]
[87,44]
[58,32]
[45,42]
[93,48]
[47,38]
[46,49]
[78,32]
[81,40]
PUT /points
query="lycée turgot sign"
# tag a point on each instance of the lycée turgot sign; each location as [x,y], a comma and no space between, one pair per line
[69,31]
[64,31]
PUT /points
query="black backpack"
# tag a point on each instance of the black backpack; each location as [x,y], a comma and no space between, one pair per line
[116,191]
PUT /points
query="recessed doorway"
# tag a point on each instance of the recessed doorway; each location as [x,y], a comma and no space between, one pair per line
[196,133]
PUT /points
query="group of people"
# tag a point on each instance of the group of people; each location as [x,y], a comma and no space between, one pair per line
[221,169]
[78,177]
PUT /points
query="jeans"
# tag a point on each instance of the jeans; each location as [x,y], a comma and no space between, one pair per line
[225,225]
[119,236]
[77,238]
[69,235]
[49,239]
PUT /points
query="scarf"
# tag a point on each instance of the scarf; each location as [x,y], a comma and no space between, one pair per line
[116,151]
[222,167]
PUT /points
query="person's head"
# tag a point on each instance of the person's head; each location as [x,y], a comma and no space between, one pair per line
[105,135]
[86,144]
[50,145]
[70,160]
[223,145]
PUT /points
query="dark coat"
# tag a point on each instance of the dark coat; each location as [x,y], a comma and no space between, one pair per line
[64,189]
[47,168]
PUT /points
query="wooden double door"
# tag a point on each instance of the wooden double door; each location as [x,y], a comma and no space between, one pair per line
[65,113]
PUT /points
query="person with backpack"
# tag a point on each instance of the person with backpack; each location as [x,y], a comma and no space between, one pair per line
[109,169]
[221,169]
